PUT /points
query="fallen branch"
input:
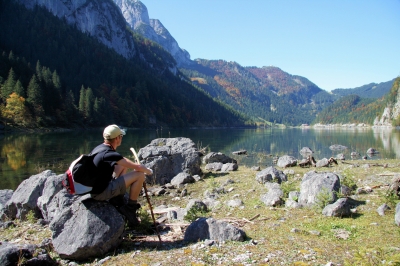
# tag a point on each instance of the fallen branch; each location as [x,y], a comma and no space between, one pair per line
[254,217]
[248,221]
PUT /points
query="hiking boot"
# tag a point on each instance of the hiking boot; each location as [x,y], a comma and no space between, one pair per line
[117,201]
[129,211]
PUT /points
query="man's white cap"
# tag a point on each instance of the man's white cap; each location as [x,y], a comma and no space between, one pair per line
[112,132]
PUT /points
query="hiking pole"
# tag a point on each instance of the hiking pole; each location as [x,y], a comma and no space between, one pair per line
[147,196]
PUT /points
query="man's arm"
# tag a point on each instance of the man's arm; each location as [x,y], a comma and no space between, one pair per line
[125,162]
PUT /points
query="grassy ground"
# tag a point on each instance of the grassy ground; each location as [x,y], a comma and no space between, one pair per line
[276,236]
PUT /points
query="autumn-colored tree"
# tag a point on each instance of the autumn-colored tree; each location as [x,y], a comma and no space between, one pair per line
[16,111]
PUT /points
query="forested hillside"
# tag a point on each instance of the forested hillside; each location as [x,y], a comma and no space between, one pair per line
[51,74]
[264,94]
[351,109]
[372,90]
[354,109]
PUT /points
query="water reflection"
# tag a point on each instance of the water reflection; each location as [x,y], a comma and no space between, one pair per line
[23,155]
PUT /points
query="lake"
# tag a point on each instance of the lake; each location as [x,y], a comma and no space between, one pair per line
[23,155]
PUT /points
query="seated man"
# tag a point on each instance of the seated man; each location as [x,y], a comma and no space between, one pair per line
[113,178]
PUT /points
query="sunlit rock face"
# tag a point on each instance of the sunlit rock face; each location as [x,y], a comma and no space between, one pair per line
[99,18]
[137,16]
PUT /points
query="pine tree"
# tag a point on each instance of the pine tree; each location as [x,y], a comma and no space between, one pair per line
[82,104]
[34,98]
[19,89]
[9,84]
[56,81]
[39,70]
[71,110]
[89,101]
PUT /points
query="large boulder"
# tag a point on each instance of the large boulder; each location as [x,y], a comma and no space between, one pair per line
[209,228]
[24,198]
[87,228]
[51,188]
[270,174]
[286,161]
[314,184]
[168,157]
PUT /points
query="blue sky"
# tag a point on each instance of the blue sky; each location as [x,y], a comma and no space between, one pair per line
[335,44]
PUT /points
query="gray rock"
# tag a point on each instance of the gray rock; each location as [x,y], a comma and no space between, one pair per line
[314,183]
[294,195]
[6,224]
[241,152]
[341,208]
[305,151]
[25,197]
[229,167]
[182,178]
[337,147]
[168,157]
[197,178]
[322,163]
[87,228]
[381,209]
[197,204]
[274,195]
[5,195]
[214,166]
[217,157]
[286,161]
[52,186]
[211,203]
[270,174]
[212,229]
[372,151]
[345,190]
[11,254]
[341,157]
[397,215]
[290,203]
[234,203]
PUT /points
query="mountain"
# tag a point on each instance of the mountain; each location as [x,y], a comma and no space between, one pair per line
[372,90]
[264,94]
[137,17]
[153,62]
[54,74]
[98,18]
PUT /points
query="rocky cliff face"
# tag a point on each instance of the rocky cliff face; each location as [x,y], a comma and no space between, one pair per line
[136,15]
[392,111]
[100,19]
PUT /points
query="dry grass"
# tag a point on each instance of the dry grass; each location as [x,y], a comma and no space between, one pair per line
[364,239]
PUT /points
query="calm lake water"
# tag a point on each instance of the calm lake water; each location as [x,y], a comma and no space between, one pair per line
[23,155]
